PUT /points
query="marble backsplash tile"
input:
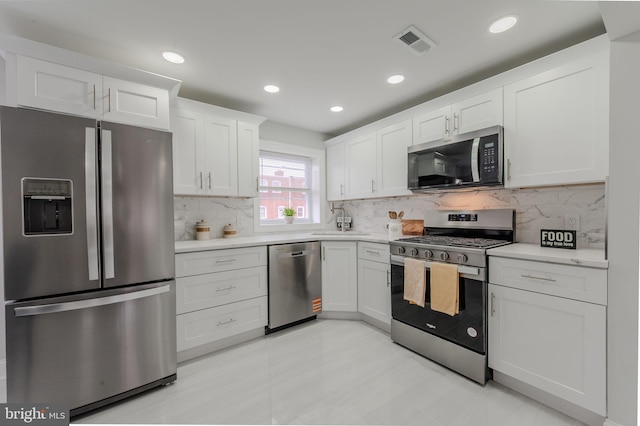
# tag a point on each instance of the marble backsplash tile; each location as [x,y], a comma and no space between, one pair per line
[217,211]
[538,208]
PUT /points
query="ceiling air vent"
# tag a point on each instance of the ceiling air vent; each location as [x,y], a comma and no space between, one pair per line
[416,40]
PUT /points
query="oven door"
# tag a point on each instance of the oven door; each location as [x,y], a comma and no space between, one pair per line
[467,328]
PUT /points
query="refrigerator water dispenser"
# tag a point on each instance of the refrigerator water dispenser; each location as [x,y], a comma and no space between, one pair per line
[47,206]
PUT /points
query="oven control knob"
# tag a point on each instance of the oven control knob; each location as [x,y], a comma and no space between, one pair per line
[414,252]
[444,255]
[401,250]
[462,258]
[428,254]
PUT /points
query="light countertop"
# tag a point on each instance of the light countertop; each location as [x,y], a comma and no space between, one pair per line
[580,257]
[268,239]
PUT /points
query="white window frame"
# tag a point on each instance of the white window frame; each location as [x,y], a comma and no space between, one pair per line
[263,212]
[317,201]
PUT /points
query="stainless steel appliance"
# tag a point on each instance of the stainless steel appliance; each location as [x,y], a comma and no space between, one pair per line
[458,341]
[465,161]
[89,264]
[295,283]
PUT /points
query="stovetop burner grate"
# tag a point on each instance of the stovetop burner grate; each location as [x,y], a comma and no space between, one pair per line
[455,241]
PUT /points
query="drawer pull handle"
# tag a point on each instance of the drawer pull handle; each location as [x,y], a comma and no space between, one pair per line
[533,277]
[376,253]
[225,322]
[225,260]
[493,304]
[231,287]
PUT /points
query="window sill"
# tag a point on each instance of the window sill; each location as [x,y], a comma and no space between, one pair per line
[285,227]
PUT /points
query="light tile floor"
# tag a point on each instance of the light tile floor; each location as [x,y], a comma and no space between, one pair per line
[326,372]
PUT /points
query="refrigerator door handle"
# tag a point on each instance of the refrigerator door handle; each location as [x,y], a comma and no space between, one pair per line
[26,311]
[91,196]
[107,205]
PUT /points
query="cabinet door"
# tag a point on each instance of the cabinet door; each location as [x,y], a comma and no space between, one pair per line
[392,143]
[554,344]
[188,152]
[432,126]
[53,87]
[135,104]
[339,276]
[361,167]
[335,172]
[248,156]
[374,292]
[556,125]
[221,156]
[478,112]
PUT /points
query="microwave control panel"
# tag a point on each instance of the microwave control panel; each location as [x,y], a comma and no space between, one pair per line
[489,159]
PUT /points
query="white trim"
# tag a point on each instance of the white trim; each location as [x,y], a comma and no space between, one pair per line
[3,369]
[318,190]
[609,422]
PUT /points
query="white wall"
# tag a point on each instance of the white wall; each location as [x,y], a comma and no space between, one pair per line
[624,231]
[278,132]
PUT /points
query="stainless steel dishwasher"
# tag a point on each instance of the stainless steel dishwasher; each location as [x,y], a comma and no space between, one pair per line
[295,283]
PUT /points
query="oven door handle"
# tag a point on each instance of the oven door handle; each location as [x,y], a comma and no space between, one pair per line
[468,271]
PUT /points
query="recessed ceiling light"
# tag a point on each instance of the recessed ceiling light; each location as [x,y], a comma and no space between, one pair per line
[503,24]
[173,57]
[271,88]
[395,79]
[336,108]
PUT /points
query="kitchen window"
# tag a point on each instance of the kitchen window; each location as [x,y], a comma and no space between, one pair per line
[289,177]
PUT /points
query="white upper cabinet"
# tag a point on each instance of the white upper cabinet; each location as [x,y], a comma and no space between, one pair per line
[372,165]
[556,125]
[432,126]
[392,144]
[135,104]
[478,112]
[248,157]
[214,154]
[336,172]
[475,113]
[220,156]
[54,87]
[188,151]
[360,157]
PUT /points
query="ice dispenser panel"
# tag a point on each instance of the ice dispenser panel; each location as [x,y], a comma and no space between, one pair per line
[47,206]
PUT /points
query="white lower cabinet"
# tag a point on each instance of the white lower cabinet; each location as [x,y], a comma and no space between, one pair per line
[339,276]
[208,325]
[374,281]
[219,294]
[552,343]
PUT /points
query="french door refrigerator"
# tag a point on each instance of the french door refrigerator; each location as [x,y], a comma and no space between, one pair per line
[88,249]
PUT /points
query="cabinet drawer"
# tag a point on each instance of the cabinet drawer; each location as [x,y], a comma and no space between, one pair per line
[209,290]
[205,262]
[572,282]
[208,325]
[373,251]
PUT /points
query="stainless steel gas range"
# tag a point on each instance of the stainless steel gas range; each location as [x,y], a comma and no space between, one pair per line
[459,239]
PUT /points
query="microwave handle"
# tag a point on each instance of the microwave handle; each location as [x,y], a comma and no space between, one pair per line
[475,153]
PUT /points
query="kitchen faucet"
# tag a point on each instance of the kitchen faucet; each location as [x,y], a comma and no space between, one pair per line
[333,209]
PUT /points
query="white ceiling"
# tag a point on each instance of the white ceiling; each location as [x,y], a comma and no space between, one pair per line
[321,53]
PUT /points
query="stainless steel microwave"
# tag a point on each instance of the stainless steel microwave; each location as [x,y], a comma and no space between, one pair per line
[469,160]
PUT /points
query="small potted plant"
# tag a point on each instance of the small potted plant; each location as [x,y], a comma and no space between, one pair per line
[288,214]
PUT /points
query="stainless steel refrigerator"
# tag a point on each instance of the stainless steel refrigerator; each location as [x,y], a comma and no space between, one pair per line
[88,249]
